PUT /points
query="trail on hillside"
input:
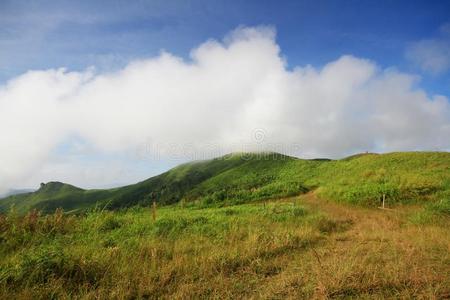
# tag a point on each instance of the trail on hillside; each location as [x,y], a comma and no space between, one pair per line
[362,219]
[380,252]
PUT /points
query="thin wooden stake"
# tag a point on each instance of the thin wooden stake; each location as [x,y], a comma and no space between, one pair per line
[384,197]
[154,210]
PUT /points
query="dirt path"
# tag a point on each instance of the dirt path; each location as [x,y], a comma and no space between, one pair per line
[381,252]
[363,219]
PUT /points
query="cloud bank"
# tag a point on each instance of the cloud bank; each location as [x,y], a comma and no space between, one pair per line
[235,94]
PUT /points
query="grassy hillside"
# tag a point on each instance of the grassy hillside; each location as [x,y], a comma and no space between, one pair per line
[402,177]
[239,178]
[166,188]
[216,239]
[295,248]
[68,195]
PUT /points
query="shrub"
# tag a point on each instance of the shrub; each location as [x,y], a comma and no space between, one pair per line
[230,212]
[57,223]
[110,223]
[442,207]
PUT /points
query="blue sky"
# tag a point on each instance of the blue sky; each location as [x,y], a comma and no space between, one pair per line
[107,34]
[241,67]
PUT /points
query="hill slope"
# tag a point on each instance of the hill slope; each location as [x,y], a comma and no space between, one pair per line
[238,178]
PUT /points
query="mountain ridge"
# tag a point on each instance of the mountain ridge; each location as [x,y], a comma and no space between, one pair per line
[243,177]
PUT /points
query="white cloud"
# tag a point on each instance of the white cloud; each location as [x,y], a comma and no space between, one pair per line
[229,92]
[432,55]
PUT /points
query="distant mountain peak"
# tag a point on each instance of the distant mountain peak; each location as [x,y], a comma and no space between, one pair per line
[56,186]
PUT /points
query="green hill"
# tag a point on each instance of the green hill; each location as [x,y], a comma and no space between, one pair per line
[243,177]
[68,194]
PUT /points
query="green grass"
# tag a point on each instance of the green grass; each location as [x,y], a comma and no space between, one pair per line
[404,177]
[64,255]
[283,249]
[220,232]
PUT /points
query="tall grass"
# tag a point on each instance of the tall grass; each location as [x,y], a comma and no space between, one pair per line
[274,250]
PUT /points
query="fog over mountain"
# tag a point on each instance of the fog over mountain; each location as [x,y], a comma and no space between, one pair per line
[231,95]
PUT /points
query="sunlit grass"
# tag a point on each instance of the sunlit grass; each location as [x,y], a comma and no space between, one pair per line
[299,248]
[403,178]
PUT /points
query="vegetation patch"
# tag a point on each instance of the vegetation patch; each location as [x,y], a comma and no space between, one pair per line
[251,250]
[399,178]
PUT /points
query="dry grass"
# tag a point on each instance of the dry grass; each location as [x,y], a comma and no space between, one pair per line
[382,255]
[274,251]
